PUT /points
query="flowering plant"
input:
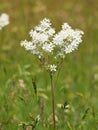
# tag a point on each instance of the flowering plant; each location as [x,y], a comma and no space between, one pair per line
[51,47]
[46,43]
[4,20]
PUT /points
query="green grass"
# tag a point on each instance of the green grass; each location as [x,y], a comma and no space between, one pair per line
[78,82]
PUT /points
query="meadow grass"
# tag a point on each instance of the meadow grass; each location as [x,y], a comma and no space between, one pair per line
[78,80]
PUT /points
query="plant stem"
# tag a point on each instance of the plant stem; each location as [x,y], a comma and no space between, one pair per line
[58,73]
[53,103]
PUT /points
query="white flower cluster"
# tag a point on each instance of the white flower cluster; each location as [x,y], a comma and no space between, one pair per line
[44,40]
[4,20]
[67,39]
[41,39]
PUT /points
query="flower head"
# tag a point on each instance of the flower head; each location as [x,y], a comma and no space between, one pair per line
[4,20]
[47,44]
[68,39]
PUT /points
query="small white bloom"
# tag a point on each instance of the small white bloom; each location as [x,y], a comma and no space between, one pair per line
[48,47]
[23,43]
[66,26]
[43,38]
[50,31]
[4,20]
[27,45]
[45,23]
[33,34]
[52,67]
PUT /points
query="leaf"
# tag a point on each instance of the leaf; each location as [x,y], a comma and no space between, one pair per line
[69,125]
[43,96]
[79,94]
[21,98]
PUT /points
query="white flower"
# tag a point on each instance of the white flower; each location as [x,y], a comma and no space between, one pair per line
[50,32]
[45,23]
[42,38]
[65,26]
[29,46]
[52,67]
[4,20]
[38,37]
[48,47]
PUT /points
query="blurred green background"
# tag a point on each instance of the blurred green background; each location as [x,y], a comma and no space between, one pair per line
[78,81]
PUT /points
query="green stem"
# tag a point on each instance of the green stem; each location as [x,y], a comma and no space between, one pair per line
[58,73]
[53,103]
